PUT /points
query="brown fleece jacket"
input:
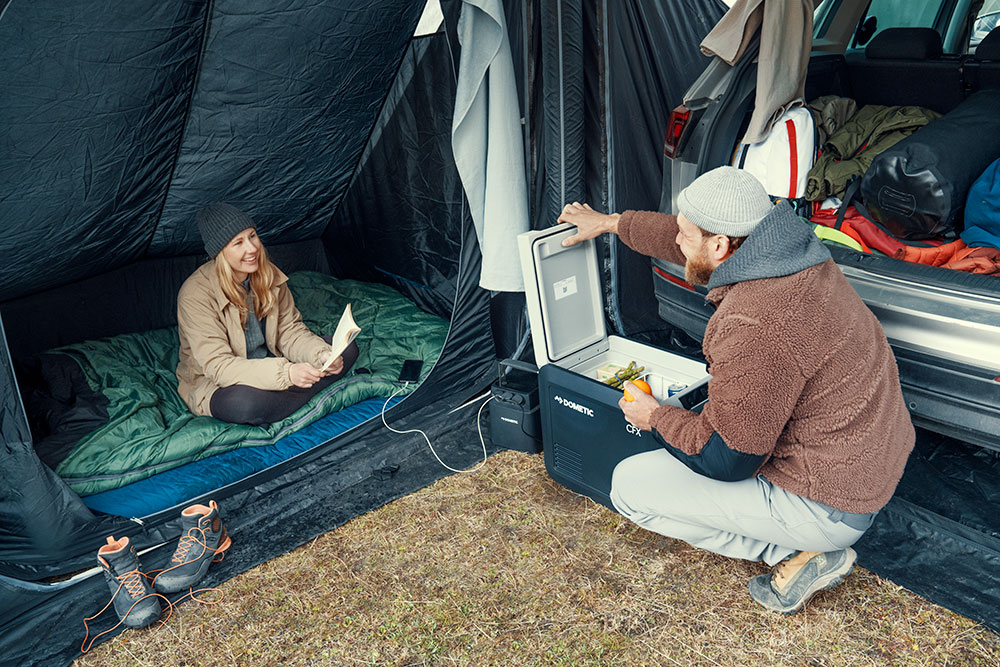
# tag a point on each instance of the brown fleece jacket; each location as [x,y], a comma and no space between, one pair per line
[802,374]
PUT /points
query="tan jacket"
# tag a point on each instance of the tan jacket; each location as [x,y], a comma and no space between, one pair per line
[213,350]
[786,28]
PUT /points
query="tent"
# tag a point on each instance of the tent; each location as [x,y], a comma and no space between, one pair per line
[327,122]
[330,123]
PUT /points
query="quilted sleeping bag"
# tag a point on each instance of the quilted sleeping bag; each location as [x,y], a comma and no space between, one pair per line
[113,415]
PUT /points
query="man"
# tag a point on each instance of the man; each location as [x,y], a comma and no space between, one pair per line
[805,434]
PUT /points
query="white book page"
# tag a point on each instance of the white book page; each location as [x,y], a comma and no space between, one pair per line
[347,331]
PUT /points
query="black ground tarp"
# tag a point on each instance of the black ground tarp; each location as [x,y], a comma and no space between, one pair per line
[265,521]
[940,534]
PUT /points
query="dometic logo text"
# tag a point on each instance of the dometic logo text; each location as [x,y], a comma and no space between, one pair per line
[566,403]
[508,420]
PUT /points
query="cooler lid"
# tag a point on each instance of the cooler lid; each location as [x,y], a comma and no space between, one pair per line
[563,291]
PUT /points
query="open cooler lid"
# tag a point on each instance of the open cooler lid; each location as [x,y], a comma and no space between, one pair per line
[562,288]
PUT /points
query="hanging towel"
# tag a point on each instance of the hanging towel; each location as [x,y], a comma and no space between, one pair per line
[785,43]
[487,142]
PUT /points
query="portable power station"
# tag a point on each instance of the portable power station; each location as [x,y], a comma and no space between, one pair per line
[515,422]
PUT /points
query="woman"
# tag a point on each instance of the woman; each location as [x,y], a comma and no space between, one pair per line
[246,357]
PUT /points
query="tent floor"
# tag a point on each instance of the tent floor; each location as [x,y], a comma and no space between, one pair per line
[354,480]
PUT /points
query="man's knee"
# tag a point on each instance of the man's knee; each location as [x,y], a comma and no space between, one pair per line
[652,483]
[626,484]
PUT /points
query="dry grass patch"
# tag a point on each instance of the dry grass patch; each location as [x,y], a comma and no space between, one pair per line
[503,567]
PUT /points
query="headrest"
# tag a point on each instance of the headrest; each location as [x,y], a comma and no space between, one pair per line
[904,44]
[989,48]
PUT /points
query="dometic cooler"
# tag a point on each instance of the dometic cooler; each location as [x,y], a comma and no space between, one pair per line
[584,432]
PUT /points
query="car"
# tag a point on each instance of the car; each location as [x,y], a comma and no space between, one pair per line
[943,325]
[983,25]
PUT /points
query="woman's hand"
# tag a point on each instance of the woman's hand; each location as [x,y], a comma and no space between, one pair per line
[305,375]
[335,367]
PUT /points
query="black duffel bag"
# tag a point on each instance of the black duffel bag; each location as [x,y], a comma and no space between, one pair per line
[917,188]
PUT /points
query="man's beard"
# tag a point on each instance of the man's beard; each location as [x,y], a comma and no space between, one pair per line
[698,270]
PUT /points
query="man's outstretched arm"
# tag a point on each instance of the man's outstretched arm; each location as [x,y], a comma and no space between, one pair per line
[646,232]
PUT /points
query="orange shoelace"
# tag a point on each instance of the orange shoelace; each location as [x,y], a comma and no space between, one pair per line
[185,543]
[132,582]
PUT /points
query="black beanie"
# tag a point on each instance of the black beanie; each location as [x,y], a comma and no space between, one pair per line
[219,223]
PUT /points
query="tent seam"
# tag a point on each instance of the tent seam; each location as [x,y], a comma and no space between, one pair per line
[371,129]
[209,9]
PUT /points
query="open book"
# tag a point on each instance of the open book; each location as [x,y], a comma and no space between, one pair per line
[346,331]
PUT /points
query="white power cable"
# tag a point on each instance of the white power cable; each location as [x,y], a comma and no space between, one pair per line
[479,428]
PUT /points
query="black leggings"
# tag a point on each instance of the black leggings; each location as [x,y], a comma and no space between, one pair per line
[240,404]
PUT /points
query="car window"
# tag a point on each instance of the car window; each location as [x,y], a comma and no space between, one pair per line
[884,14]
[985,21]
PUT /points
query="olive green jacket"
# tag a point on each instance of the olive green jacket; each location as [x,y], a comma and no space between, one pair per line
[213,350]
[850,150]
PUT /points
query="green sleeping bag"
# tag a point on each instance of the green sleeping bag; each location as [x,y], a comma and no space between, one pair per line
[149,429]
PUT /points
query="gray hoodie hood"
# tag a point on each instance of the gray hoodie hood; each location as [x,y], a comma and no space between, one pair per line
[780,245]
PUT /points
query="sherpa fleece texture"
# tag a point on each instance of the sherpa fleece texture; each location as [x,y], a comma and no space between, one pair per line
[802,373]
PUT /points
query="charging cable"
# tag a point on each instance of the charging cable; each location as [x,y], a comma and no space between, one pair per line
[479,428]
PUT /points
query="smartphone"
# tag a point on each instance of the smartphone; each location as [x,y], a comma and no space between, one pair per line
[411,370]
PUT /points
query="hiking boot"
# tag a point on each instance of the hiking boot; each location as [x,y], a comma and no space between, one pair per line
[796,579]
[136,604]
[204,538]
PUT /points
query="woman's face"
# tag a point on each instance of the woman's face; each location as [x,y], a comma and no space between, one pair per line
[243,253]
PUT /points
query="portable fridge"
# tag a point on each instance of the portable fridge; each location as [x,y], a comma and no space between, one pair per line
[584,433]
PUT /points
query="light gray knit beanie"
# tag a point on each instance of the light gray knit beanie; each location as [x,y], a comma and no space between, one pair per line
[726,201]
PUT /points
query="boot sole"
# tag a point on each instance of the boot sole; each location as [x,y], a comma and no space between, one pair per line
[822,584]
[135,621]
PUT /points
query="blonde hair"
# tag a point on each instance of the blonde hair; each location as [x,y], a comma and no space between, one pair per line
[260,284]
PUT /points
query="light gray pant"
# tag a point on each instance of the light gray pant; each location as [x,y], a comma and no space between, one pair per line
[750,519]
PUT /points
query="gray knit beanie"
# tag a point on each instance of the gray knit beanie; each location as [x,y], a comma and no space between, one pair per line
[726,201]
[219,223]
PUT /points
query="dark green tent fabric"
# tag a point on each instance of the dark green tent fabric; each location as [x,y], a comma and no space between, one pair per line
[149,429]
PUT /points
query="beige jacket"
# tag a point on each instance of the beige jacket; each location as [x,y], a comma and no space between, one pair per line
[213,350]
[786,28]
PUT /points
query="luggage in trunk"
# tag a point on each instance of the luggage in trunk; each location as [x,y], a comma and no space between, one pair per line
[917,188]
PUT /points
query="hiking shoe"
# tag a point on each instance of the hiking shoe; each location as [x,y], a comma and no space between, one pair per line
[796,579]
[204,538]
[136,604]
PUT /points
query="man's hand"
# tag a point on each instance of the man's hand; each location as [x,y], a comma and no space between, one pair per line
[304,375]
[589,223]
[640,411]
[335,366]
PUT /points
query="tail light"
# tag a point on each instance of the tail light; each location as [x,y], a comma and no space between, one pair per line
[677,281]
[678,122]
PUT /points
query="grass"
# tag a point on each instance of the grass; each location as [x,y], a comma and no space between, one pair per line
[505,567]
